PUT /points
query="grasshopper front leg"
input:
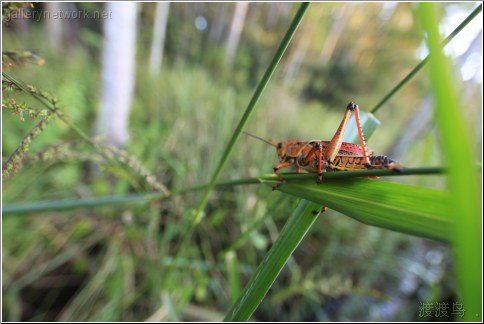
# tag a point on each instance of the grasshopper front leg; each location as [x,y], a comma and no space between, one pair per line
[281,165]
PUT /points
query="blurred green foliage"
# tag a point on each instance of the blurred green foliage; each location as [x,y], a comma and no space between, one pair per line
[109,263]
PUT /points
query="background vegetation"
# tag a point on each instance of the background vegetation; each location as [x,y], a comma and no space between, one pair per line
[117,263]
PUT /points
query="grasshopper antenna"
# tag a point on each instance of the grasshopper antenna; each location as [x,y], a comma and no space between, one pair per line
[271,143]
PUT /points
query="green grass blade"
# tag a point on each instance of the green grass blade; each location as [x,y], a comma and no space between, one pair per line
[355,174]
[52,264]
[419,66]
[465,206]
[291,235]
[233,271]
[402,208]
[132,199]
[255,98]
[68,204]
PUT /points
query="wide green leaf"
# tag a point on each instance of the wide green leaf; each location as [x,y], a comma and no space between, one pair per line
[403,208]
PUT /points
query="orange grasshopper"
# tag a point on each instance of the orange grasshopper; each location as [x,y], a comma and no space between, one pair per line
[335,155]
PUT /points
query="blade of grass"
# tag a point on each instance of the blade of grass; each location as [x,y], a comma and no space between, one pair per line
[357,174]
[419,66]
[465,205]
[18,283]
[255,98]
[233,271]
[291,235]
[67,204]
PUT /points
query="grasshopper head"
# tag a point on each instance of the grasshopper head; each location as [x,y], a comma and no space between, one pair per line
[281,149]
[352,106]
[289,149]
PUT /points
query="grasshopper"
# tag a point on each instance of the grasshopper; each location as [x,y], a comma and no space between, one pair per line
[317,156]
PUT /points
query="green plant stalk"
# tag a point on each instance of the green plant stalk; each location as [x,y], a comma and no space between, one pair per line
[233,270]
[49,265]
[291,235]
[18,154]
[357,174]
[50,105]
[146,198]
[250,108]
[465,203]
[419,66]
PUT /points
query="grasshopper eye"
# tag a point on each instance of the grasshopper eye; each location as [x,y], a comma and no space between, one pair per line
[279,145]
